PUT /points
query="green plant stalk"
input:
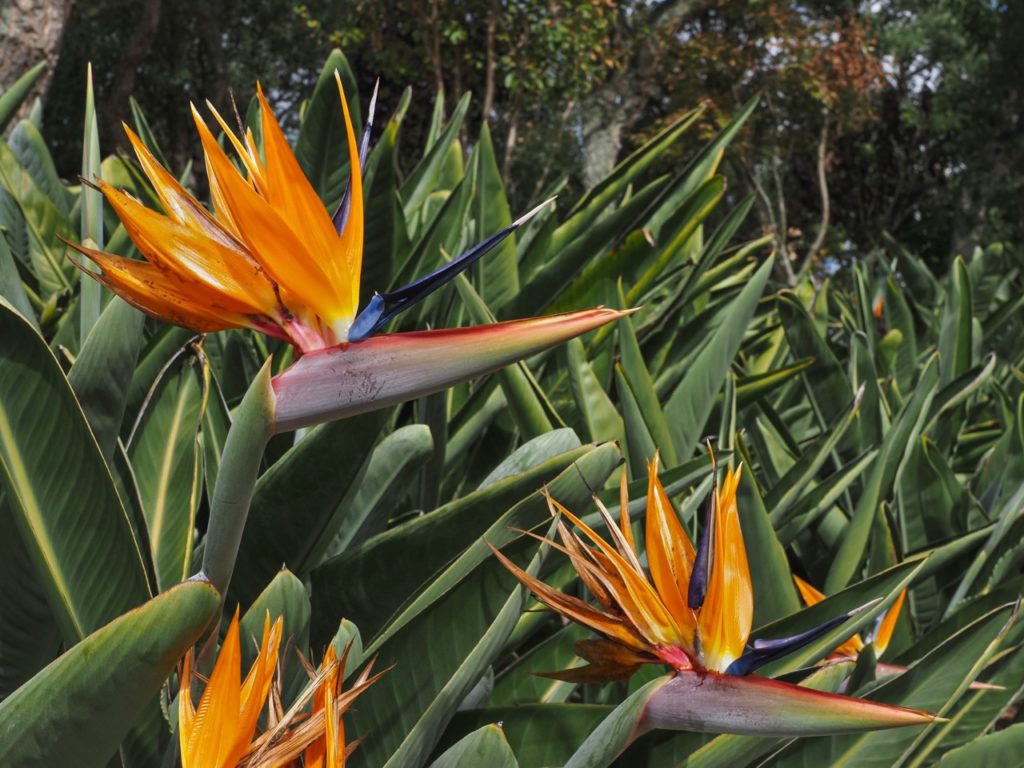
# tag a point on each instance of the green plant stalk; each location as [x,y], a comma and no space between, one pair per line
[91,299]
[250,430]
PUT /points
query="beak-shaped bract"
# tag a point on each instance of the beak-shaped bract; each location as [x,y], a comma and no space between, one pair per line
[691,610]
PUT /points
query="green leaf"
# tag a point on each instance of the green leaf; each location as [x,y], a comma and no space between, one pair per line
[826,381]
[386,243]
[561,266]
[11,287]
[775,594]
[688,408]
[416,746]
[102,373]
[498,273]
[530,408]
[617,731]
[367,504]
[955,333]
[321,148]
[639,443]
[91,204]
[167,461]
[599,414]
[424,177]
[897,444]
[882,587]
[787,490]
[78,709]
[486,746]
[294,514]
[62,495]
[996,750]
[29,635]
[15,95]
[642,385]
[361,584]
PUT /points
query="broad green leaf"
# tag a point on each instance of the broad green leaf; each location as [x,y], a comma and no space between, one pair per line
[639,444]
[530,408]
[787,490]
[12,98]
[774,593]
[458,679]
[11,288]
[561,266]
[642,385]
[996,750]
[483,747]
[609,739]
[602,420]
[29,635]
[531,453]
[423,179]
[367,504]
[498,273]
[361,583]
[321,149]
[897,444]
[386,242]
[294,508]
[826,382]
[954,344]
[78,709]
[688,408]
[541,736]
[881,590]
[61,494]
[103,371]
[284,596]
[167,460]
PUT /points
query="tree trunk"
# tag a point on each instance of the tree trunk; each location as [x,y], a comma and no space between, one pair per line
[30,32]
[613,107]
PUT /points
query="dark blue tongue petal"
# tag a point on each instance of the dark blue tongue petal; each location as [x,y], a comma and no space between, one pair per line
[701,575]
[340,217]
[760,652]
[384,306]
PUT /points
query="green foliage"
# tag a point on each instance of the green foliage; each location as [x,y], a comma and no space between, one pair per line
[882,451]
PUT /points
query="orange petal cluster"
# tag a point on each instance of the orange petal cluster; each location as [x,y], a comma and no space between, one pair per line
[221,732]
[644,617]
[268,258]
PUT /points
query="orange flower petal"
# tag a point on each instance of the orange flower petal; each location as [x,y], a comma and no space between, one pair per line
[726,616]
[670,554]
[258,224]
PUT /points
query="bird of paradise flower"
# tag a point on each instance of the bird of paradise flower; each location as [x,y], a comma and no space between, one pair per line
[221,731]
[692,610]
[271,258]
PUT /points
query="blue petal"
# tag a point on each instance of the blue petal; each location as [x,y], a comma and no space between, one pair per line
[760,652]
[701,575]
[384,306]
